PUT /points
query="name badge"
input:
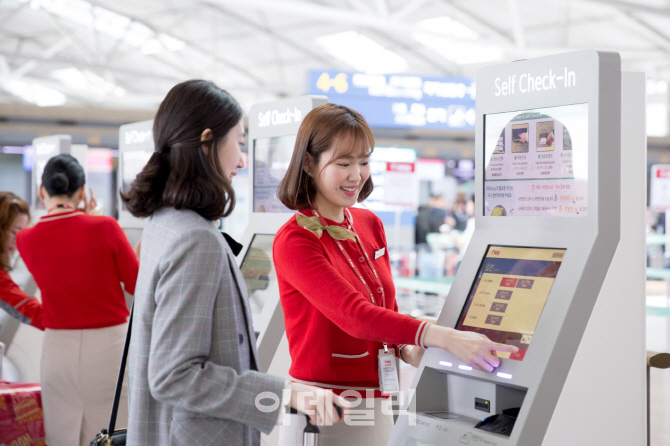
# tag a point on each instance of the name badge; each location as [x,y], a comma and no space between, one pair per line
[388,373]
[379,253]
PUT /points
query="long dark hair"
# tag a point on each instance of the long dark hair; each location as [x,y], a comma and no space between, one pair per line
[318,131]
[180,174]
[63,175]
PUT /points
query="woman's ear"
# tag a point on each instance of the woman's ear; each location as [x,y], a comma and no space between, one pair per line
[206,135]
[307,164]
[40,192]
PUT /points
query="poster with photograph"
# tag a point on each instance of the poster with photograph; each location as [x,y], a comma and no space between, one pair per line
[543,169]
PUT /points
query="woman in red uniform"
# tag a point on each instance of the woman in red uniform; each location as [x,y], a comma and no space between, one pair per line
[14,216]
[79,262]
[335,280]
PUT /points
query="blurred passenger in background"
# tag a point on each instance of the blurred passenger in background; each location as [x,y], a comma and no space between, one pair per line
[14,216]
[432,217]
[459,211]
[79,262]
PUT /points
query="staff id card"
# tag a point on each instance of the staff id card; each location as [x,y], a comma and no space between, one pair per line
[388,373]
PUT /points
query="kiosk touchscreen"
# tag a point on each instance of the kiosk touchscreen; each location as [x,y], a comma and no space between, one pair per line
[259,275]
[556,266]
[273,127]
[509,293]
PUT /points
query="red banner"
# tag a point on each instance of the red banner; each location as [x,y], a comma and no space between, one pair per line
[21,416]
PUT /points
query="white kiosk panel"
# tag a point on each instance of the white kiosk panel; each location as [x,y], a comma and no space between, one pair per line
[136,145]
[273,127]
[547,239]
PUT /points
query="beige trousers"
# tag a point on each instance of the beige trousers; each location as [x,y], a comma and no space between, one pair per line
[78,372]
[370,425]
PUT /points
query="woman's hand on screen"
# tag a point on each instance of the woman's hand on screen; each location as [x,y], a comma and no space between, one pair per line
[474,349]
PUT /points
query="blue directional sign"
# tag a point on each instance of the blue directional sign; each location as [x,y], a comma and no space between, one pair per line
[401,100]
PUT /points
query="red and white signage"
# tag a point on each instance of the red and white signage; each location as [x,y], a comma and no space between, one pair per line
[659,187]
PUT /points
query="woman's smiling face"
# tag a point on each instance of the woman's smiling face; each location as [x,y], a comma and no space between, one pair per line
[339,178]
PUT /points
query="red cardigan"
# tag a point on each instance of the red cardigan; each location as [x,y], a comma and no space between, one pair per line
[334,330]
[18,304]
[78,262]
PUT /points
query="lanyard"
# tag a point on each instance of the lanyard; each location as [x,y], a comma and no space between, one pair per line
[353,265]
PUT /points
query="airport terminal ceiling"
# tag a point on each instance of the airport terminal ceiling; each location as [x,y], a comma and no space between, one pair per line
[58,56]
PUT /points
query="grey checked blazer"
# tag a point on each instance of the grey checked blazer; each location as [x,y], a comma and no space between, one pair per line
[192,359]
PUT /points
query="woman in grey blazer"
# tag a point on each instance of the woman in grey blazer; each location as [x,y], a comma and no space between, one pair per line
[193,376]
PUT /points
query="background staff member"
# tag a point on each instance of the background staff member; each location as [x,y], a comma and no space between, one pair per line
[78,262]
[14,216]
[336,288]
[193,362]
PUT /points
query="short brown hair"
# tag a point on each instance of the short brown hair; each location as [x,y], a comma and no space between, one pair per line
[319,130]
[11,207]
[180,174]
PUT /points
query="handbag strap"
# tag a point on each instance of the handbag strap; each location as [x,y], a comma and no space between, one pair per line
[122,371]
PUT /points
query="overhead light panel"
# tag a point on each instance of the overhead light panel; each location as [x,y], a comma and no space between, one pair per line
[362,53]
[87,81]
[112,24]
[35,93]
[457,51]
[448,26]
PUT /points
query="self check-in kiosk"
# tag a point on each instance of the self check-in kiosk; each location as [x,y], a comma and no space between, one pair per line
[136,145]
[273,127]
[555,266]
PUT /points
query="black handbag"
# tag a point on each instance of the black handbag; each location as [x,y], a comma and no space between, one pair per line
[110,437]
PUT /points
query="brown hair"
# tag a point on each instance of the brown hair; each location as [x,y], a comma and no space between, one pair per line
[180,174]
[11,207]
[320,129]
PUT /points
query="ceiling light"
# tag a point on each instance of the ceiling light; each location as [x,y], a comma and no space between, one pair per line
[362,53]
[111,24]
[461,53]
[35,93]
[151,46]
[449,26]
[86,80]
[71,78]
[171,43]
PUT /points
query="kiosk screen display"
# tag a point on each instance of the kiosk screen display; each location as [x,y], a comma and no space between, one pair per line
[509,294]
[132,163]
[259,271]
[537,162]
[271,160]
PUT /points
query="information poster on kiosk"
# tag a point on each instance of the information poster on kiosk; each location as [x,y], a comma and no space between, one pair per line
[537,162]
[509,294]
[272,157]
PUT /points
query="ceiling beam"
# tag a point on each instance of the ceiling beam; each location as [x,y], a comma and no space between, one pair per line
[328,14]
[634,7]
[479,24]
[408,9]
[302,47]
[517,24]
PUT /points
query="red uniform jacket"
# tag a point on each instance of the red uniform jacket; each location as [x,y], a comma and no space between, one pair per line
[334,330]
[18,304]
[78,262]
